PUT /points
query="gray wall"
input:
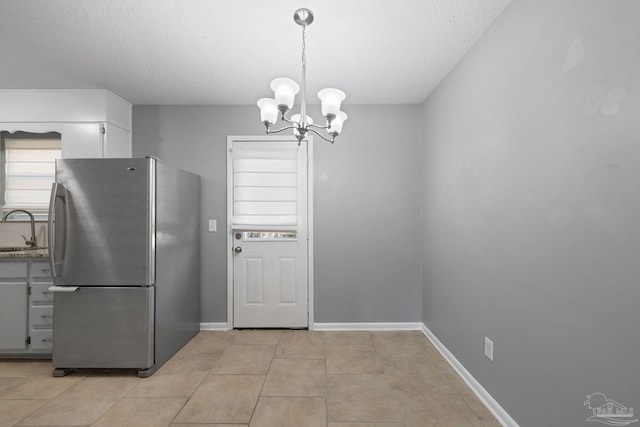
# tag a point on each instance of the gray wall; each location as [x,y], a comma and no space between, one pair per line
[367,204]
[532,208]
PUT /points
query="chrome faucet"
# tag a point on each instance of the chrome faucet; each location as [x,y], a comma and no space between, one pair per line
[33,242]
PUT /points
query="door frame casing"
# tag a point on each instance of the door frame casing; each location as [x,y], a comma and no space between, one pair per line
[229,230]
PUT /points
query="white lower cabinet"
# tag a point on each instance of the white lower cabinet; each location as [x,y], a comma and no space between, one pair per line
[13,315]
[26,308]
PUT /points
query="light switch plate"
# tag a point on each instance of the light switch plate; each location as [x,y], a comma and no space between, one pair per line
[488,348]
[213,225]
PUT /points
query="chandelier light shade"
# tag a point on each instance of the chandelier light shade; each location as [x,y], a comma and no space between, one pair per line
[268,111]
[296,119]
[331,99]
[336,124]
[285,91]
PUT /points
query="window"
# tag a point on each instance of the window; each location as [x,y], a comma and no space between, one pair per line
[28,170]
[265,186]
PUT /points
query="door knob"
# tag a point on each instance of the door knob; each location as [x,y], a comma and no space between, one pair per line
[237,249]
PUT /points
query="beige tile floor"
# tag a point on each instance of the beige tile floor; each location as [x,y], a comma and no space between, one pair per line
[256,379]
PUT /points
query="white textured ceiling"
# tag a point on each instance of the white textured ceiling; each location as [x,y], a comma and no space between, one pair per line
[227,51]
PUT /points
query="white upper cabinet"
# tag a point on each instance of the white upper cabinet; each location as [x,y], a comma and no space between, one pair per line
[93,123]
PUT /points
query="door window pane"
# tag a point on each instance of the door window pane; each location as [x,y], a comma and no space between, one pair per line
[269,235]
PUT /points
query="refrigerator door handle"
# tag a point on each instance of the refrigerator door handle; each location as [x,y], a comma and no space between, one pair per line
[57,191]
[63,288]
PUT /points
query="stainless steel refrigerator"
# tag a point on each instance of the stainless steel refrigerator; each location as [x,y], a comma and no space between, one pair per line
[124,251]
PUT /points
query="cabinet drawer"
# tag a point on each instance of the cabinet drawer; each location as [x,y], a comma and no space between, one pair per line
[41,339]
[9,270]
[41,315]
[41,294]
[40,271]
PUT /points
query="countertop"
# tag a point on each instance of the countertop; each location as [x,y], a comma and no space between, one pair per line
[31,253]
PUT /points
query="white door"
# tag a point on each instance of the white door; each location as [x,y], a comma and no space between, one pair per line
[269,233]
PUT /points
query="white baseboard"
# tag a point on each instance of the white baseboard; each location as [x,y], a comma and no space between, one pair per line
[214,326]
[494,407]
[373,326]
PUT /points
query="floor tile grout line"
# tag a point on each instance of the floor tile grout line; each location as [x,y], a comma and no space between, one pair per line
[30,413]
[264,381]
[395,398]
[191,395]
[326,383]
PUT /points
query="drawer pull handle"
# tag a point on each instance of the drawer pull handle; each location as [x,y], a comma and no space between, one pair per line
[46,340]
[63,288]
[47,316]
[46,292]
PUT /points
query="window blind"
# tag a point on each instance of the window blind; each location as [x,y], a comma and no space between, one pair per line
[29,170]
[265,186]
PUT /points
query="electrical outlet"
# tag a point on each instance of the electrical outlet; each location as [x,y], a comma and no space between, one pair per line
[213,226]
[488,348]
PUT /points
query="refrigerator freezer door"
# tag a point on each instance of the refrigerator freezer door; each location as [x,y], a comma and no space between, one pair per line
[108,328]
[105,222]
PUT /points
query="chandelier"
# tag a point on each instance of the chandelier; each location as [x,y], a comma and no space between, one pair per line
[285,90]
